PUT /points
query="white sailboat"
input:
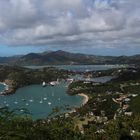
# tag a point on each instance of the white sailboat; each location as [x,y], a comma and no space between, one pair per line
[53,83]
[41,101]
[5,102]
[43,84]
[21,110]
[45,98]
[49,103]
[27,104]
[31,100]
[23,99]
[15,102]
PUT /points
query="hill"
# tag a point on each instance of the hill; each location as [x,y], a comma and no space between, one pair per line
[66,58]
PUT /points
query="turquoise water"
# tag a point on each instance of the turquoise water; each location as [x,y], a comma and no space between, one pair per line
[36,98]
[1,87]
[81,67]
[29,97]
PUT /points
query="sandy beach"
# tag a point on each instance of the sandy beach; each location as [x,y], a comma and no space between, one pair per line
[86,98]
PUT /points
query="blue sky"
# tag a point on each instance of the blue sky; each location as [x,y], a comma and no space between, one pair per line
[102,27]
[11,51]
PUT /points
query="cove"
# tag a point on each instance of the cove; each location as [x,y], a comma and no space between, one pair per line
[40,101]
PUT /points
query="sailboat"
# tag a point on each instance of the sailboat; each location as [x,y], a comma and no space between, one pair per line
[53,83]
[15,102]
[5,102]
[31,100]
[41,101]
[27,104]
[45,98]
[21,110]
[23,99]
[43,84]
[49,103]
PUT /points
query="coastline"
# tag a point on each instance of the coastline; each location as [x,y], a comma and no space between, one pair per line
[5,88]
[9,89]
[86,98]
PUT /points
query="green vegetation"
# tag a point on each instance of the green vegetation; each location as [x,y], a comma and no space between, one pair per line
[135,102]
[19,76]
[102,118]
[65,58]
[92,88]
[109,99]
[100,97]
[18,128]
[27,76]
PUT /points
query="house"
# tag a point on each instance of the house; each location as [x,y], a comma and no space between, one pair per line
[128,113]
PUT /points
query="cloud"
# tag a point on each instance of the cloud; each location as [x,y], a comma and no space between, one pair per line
[87,23]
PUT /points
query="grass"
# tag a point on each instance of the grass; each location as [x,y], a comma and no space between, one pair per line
[135,104]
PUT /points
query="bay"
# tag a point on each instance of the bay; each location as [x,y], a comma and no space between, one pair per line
[80,68]
[40,101]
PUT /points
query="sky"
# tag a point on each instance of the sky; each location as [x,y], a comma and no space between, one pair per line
[102,27]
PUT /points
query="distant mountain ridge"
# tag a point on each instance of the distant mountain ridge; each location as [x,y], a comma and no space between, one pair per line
[66,58]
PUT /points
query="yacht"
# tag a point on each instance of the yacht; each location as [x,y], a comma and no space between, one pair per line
[53,83]
[15,102]
[49,103]
[21,110]
[41,101]
[5,102]
[31,100]
[43,84]
[45,98]
[27,104]
[23,99]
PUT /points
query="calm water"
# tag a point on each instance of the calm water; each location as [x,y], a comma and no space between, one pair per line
[82,67]
[41,100]
[36,99]
[2,87]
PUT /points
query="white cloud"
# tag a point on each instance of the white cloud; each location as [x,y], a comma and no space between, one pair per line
[106,23]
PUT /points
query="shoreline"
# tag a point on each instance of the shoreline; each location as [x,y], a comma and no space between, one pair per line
[86,98]
[9,89]
[6,88]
